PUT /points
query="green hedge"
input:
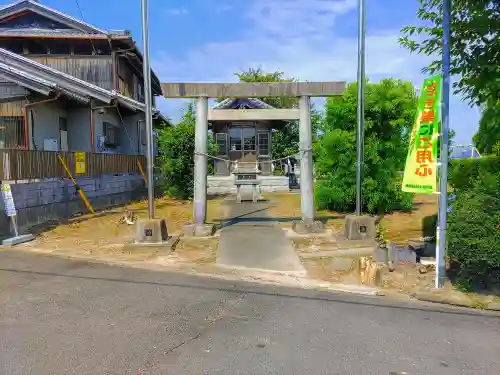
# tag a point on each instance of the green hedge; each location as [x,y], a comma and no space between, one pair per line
[474,223]
[464,173]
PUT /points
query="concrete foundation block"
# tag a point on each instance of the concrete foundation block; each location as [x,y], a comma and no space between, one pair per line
[197,230]
[359,227]
[151,231]
[164,247]
[18,240]
[302,227]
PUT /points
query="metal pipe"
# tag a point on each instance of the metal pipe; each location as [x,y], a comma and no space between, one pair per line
[92,136]
[114,65]
[361,104]
[148,111]
[443,182]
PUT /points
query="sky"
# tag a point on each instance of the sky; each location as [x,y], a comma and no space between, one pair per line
[209,40]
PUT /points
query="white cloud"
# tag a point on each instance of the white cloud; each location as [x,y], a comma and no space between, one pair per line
[177,11]
[299,38]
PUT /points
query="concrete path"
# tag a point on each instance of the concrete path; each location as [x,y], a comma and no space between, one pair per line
[251,239]
[60,316]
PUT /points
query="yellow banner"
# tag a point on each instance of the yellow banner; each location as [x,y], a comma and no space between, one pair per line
[420,174]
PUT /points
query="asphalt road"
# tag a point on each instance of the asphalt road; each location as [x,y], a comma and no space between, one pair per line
[65,317]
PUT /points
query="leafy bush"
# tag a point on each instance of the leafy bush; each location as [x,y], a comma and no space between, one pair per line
[176,146]
[474,229]
[464,173]
[390,111]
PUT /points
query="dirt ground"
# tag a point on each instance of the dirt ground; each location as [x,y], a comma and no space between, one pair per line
[103,233]
[96,232]
[398,226]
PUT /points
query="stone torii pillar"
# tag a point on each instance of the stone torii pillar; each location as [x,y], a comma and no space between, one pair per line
[200,161]
[199,227]
[308,212]
[306,162]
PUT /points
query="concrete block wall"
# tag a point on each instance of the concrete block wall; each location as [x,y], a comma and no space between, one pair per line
[225,184]
[41,202]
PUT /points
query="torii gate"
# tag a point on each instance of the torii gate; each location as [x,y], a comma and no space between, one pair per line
[203,91]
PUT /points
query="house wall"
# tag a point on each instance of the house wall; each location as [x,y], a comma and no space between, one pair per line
[40,202]
[111,117]
[45,121]
[44,124]
[97,70]
[130,136]
[79,129]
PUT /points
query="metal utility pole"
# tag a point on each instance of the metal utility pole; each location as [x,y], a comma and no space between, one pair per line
[361,99]
[443,183]
[146,71]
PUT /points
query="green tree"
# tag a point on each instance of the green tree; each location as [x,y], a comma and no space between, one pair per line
[176,149]
[258,75]
[285,141]
[488,133]
[475,42]
[390,112]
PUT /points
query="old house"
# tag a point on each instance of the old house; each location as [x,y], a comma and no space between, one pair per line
[67,86]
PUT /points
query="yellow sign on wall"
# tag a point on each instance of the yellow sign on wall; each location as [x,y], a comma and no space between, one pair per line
[80,162]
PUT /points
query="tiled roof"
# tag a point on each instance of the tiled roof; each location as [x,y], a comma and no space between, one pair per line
[44,32]
[238,103]
[34,5]
[44,79]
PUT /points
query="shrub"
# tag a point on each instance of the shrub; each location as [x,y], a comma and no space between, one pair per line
[474,223]
[474,234]
[464,173]
[176,145]
[390,112]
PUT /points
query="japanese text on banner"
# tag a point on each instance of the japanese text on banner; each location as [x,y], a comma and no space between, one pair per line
[420,175]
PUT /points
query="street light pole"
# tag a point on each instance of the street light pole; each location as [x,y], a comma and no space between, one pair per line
[148,112]
[361,99]
[443,183]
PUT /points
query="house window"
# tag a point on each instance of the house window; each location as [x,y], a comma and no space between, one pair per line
[142,132]
[12,133]
[110,134]
[235,139]
[221,140]
[63,124]
[263,143]
[248,139]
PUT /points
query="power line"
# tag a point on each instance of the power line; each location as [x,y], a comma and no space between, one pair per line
[83,19]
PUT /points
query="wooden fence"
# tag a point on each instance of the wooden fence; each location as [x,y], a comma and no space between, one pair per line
[30,165]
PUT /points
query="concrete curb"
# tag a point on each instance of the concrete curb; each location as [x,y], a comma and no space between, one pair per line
[263,278]
[437,297]
[275,278]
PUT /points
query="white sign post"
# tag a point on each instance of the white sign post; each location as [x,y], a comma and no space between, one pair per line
[11,212]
